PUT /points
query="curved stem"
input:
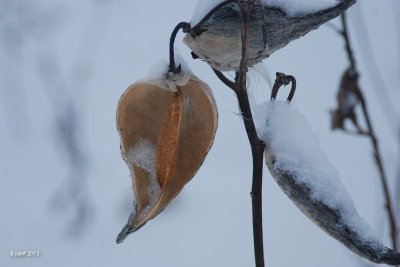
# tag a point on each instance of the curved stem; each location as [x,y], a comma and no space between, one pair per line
[225,80]
[283,79]
[185,27]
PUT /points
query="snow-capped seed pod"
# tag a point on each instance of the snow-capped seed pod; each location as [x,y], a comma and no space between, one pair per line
[167,127]
[304,174]
[215,33]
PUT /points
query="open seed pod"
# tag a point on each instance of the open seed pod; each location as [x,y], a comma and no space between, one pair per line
[217,37]
[166,131]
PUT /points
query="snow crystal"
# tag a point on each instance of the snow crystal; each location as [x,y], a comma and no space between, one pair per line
[296,150]
[143,155]
[291,7]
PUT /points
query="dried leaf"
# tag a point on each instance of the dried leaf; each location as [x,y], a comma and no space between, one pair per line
[347,98]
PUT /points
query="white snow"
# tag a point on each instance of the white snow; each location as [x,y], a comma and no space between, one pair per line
[143,155]
[158,73]
[291,7]
[297,151]
[158,70]
[295,8]
[202,8]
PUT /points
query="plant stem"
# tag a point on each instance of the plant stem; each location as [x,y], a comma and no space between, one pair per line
[371,134]
[257,146]
[349,50]
[384,180]
[257,149]
[185,26]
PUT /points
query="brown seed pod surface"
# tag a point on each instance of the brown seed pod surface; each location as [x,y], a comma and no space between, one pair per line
[166,132]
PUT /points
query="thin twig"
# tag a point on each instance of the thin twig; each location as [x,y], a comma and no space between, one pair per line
[371,134]
[349,50]
[384,180]
[225,80]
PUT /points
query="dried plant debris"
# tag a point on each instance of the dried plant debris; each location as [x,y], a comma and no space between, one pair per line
[348,98]
[303,172]
[217,37]
[167,126]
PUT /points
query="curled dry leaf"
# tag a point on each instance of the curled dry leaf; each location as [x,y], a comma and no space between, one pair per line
[347,98]
[166,131]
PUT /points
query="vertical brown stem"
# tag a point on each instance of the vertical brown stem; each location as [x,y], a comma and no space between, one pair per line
[257,146]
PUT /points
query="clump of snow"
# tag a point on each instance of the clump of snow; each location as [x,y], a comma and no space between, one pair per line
[203,7]
[292,8]
[158,70]
[160,75]
[296,150]
[143,155]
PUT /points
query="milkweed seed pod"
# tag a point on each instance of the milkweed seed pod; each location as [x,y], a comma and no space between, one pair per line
[217,37]
[305,175]
[167,127]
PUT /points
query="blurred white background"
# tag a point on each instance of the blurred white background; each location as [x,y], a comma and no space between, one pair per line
[66,192]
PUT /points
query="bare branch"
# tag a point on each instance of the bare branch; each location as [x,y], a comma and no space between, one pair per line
[371,133]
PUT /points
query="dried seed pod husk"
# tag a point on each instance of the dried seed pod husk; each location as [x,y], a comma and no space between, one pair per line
[330,220]
[305,175]
[217,38]
[166,131]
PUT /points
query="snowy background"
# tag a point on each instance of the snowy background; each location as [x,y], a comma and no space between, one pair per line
[65,191]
